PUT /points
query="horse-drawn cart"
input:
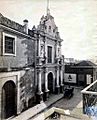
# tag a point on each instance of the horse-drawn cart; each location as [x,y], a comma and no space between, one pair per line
[68,92]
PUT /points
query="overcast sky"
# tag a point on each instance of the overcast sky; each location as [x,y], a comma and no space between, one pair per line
[76,20]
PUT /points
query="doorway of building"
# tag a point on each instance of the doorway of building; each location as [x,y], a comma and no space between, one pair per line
[50,82]
[8,99]
[81,80]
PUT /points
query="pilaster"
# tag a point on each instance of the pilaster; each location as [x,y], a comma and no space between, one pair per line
[39,47]
[46,94]
[61,85]
[57,81]
[39,93]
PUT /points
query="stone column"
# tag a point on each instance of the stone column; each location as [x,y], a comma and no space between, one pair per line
[39,93]
[45,51]
[57,81]
[46,85]
[57,49]
[39,50]
[62,85]
[39,47]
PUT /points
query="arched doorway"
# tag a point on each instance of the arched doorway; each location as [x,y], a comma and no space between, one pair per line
[8,99]
[50,82]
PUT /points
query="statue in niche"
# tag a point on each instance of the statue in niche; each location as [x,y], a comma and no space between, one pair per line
[42,51]
[58,51]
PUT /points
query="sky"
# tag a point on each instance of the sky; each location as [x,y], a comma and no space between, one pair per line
[76,21]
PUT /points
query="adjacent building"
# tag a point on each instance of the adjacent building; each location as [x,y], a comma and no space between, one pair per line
[31,64]
[82,73]
[17,74]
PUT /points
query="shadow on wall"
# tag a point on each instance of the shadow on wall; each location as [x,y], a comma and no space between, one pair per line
[30,52]
[27,90]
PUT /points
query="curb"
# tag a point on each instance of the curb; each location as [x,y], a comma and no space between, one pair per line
[44,109]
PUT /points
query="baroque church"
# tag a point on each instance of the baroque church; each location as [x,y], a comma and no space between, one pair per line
[31,64]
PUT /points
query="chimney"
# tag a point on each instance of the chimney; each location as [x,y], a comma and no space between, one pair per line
[25,26]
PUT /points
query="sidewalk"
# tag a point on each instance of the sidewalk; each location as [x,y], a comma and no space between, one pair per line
[32,112]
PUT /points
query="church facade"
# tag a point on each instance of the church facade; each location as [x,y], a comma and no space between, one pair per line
[31,64]
[49,61]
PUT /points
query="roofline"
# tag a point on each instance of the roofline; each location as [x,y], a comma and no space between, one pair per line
[83,66]
[26,35]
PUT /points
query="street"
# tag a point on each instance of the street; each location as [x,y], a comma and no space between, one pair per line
[73,105]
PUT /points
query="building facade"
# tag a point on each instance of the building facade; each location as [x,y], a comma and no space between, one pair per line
[49,61]
[81,74]
[31,64]
[17,74]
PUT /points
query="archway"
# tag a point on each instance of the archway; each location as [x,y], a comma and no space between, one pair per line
[8,99]
[50,82]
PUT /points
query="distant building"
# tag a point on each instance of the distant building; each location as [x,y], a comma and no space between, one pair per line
[31,64]
[81,74]
[94,59]
[69,61]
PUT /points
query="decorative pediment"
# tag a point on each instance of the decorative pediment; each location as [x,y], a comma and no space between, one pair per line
[47,24]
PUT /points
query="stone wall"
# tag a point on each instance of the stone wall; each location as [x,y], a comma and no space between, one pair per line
[27,89]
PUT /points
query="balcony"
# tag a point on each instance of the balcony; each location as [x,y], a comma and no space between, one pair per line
[89,95]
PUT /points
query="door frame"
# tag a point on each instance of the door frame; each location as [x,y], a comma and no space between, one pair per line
[4,97]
